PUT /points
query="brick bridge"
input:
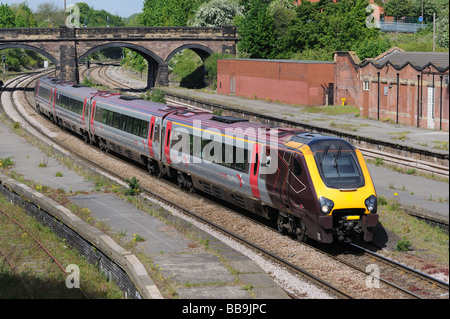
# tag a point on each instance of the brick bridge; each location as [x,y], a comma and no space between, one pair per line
[66,47]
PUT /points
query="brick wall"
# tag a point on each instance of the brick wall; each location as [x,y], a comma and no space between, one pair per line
[292,82]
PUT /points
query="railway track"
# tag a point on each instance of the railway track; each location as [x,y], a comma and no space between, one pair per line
[155,196]
[407,162]
[411,282]
[30,260]
[263,250]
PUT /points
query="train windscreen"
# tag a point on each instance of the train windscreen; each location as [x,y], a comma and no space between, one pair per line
[338,164]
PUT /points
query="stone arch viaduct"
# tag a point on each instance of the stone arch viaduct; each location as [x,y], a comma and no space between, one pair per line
[66,47]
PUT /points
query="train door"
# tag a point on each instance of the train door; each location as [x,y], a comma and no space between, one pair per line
[295,184]
[290,180]
[52,103]
[254,170]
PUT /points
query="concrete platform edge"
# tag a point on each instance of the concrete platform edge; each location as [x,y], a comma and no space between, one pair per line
[125,259]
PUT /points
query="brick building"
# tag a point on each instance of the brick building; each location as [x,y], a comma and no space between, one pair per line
[401,87]
[285,81]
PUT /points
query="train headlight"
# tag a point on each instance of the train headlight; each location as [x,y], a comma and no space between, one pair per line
[326,205]
[371,204]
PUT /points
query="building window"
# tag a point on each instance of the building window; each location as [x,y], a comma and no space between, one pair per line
[366,85]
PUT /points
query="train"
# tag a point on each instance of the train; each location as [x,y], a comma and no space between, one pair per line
[310,185]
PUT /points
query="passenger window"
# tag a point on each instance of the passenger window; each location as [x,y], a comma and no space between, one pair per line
[130,125]
[144,129]
[255,167]
[136,127]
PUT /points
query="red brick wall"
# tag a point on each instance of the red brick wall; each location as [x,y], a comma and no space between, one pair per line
[408,96]
[298,83]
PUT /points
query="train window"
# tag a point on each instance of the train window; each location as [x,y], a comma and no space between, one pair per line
[256,164]
[129,128]
[156,134]
[116,120]
[240,159]
[123,122]
[99,114]
[152,129]
[109,119]
[144,129]
[168,137]
[136,127]
[297,167]
[44,93]
[105,116]
[340,170]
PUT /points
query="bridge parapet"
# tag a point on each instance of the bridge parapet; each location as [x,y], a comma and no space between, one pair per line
[66,46]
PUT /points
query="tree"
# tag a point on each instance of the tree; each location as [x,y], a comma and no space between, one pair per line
[217,13]
[97,18]
[211,67]
[49,15]
[442,33]
[283,12]
[333,26]
[7,16]
[24,16]
[168,13]
[399,8]
[257,31]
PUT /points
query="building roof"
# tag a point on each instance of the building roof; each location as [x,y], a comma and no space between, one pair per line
[418,60]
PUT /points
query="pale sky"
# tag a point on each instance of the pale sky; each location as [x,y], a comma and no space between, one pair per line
[123,8]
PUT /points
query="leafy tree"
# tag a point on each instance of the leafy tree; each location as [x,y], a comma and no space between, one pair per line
[49,15]
[165,13]
[97,18]
[24,16]
[442,26]
[217,13]
[7,16]
[257,31]
[134,60]
[399,8]
[371,48]
[211,67]
[334,26]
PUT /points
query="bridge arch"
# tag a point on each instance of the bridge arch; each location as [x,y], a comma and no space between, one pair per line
[42,52]
[202,51]
[155,63]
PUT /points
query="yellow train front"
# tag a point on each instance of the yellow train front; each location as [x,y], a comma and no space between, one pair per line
[330,190]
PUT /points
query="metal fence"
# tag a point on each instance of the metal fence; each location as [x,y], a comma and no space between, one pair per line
[401,27]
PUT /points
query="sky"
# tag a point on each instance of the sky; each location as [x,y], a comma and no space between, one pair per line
[123,8]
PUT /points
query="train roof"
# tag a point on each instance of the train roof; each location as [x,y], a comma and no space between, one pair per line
[70,87]
[135,104]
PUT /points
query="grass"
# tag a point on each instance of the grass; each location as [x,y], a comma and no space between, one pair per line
[427,240]
[332,109]
[399,135]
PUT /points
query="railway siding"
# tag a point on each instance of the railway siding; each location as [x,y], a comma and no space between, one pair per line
[258,111]
[119,264]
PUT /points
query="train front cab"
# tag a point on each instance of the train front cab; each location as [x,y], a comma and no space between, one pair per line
[347,203]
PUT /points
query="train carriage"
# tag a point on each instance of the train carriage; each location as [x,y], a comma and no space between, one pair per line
[314,186]
[66,104]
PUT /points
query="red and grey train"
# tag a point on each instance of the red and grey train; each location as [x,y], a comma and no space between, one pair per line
[314,186]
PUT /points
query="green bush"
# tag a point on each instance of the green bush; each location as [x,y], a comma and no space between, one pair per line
[404,244]
[133,187]
[157,96]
